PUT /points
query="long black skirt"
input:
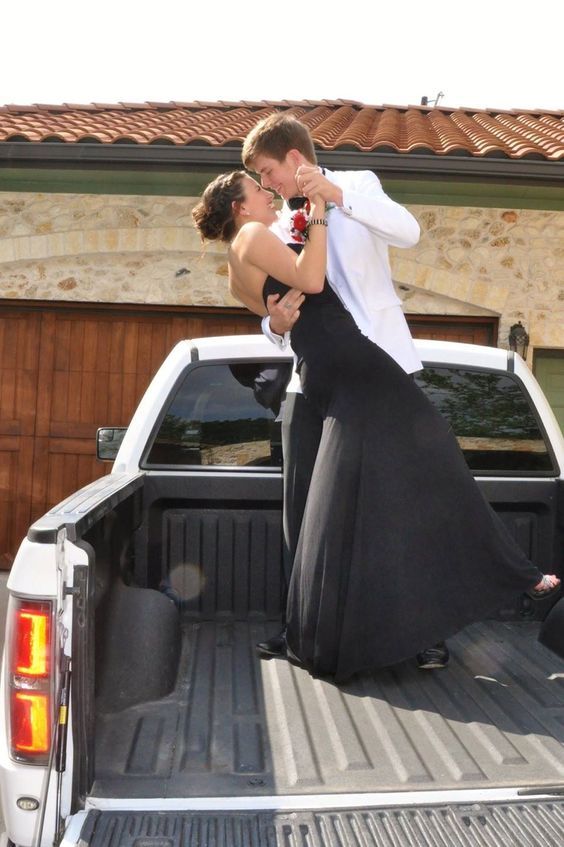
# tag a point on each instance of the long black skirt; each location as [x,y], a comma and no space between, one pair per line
[398,548]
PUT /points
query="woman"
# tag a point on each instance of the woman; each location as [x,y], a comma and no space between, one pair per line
[398,548]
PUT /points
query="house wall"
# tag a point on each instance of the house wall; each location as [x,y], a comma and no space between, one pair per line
[107,248]
[510,261]
[143,249]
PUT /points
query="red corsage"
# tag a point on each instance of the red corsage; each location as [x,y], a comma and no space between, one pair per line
[299,223]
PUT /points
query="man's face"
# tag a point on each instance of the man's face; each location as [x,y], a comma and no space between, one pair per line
[278,176]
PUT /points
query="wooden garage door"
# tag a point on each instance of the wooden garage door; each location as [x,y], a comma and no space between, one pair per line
[19,357]
[468,330]
[65,371]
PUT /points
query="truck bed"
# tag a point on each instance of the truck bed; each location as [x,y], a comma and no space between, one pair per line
[238,726]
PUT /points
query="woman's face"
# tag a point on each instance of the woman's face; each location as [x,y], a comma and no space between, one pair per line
[258,204]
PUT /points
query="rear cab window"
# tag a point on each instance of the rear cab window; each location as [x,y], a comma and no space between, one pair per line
[223,415]
[228,415]
[493,419]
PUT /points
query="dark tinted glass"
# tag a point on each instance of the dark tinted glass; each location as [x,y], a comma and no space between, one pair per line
[229,415]
[224,415]
[492,418]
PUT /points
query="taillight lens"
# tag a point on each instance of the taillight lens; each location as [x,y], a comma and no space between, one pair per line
[30,723]
[32,640]
[30,664]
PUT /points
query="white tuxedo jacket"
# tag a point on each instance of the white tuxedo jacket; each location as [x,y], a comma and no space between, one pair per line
[358,268]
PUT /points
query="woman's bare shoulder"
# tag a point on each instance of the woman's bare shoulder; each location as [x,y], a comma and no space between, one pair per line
[249,233]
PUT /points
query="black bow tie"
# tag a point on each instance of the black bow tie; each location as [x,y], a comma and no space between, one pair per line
[296,203]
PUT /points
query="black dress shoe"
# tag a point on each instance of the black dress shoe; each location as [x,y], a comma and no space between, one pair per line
[275,646]
[433,657]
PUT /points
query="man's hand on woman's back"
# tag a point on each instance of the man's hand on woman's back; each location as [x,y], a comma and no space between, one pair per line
[284,311]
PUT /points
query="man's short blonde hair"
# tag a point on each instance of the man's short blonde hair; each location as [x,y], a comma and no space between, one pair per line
[275,137]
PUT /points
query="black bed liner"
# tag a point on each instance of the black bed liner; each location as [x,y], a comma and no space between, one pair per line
[532,823]
[236,726]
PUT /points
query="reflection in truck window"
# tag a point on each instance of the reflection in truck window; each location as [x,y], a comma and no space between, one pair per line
[224,415]
[229,414]
[492,418]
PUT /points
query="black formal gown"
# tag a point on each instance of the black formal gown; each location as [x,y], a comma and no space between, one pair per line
[398,547]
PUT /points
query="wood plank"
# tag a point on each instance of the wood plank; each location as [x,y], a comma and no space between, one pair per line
[87,396]
[117,346]
[73,446]
[115,387]
[64,347]
[89,346]
[10,345]
[18,373]
[130,348]
[104,332]
[73,397]
[39,481]
[47,344]
[467,329]
[16,460]
[8,378]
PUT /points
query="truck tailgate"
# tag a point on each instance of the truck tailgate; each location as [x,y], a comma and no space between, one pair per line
[533,823]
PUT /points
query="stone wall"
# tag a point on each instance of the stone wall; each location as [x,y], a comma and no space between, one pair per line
[509,261]
[107,248]
[143,249]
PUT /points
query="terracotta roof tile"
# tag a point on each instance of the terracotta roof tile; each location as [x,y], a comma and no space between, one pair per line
[334,124]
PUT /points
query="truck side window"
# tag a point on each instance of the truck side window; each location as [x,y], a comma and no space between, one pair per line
[492,418]
[224,415]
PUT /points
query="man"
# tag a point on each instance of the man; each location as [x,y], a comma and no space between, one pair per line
[362,222]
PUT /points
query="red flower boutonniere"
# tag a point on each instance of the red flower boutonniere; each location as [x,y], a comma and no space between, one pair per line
[299,223]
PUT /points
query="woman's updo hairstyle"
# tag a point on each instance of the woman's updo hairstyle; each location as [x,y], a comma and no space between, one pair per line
[213,216]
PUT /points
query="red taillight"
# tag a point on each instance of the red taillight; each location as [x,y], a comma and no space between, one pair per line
[31,641]
[31,683]
[30,722]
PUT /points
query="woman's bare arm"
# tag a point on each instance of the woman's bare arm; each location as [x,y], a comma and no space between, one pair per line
[257,248]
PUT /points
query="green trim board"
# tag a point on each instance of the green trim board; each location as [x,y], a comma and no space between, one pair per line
[477,194]
[452,192]
[102,181]
[548,367]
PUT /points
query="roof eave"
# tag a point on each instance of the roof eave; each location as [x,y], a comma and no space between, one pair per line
[205,157]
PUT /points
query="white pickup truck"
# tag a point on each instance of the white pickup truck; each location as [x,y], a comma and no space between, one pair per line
[135,710]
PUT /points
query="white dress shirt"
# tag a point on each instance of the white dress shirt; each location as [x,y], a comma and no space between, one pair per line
[358,267]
